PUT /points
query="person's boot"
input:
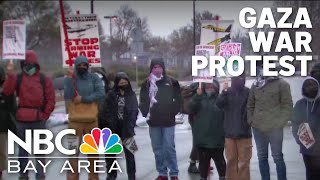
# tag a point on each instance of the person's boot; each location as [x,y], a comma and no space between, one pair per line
[112,175]
[193,168]
[162,178]
[174,178]
[131,177]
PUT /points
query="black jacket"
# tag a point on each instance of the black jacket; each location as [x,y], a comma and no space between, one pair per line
[108,113]
[162,113]
[8,106]
[234,105]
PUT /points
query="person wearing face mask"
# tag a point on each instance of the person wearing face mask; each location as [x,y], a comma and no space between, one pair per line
[307,110]
[315,72]
[238,142]
[7,117]
[36,102]
[208,132]
[119,113]
[160,96]
[89,90]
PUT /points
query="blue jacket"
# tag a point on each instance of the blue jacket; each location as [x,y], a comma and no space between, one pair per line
[89,85]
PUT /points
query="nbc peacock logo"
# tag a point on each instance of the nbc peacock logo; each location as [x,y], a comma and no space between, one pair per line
[101,142]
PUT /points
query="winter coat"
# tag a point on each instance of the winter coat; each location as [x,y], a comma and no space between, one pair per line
[207,124]
[162,113]
[234,105]
[108,116]
[89,86]
[270,107]
[34,105]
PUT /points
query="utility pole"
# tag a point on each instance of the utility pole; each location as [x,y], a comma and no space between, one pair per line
[194,27]
[92,7]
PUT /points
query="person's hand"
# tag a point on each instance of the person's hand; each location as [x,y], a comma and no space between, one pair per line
[70,72]
[77,99]
[10,68]
[199,91]
[225,85]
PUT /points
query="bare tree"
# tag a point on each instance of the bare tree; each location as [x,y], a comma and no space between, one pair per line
[42,19]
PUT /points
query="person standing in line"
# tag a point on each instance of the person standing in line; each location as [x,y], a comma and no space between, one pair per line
[269,109]
[161,97]
[307,111]
[119,113]
[208,133]
[36,103]
[238,142]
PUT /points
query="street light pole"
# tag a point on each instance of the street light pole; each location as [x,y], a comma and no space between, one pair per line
[137,77]
[194,27]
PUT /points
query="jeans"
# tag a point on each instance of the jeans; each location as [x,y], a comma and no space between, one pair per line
[21,127]
[238,154]
[205,156]
[163,145]
[275,139]
[312,164]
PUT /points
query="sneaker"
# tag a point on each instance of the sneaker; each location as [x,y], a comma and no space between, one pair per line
[162,178]
[174,178]
[193,168]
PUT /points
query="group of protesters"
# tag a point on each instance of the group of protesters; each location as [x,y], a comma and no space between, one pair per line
[223,120]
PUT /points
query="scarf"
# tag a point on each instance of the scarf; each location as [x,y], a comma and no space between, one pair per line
[153,89]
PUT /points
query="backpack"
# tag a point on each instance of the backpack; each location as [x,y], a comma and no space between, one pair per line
[187,92]
[42,82]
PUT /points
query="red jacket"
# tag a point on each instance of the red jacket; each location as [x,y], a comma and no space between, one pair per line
[31,94]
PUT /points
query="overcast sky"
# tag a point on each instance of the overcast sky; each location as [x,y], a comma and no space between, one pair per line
[166,16]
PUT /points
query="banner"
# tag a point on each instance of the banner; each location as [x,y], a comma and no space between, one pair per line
[14,39]
[230,49]
[204,74]
[215,32]
[83,35]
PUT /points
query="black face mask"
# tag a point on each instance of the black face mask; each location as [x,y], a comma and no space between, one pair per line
[124,87]
[82,71]
[310,89]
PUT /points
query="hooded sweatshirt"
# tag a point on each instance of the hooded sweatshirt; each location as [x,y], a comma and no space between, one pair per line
[315,72]
[122,125]
[234,102]
[207,124]
[89,86]
[307,110]
[33,105]
[168,96]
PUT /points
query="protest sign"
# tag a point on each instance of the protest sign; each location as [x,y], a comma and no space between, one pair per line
[83,35]
[305,135]
[204,74]
[215,32]
[230,49]
[130,144]
[14,39]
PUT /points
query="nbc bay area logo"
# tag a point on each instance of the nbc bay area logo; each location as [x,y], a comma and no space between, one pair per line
[101,142]
[98,142]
